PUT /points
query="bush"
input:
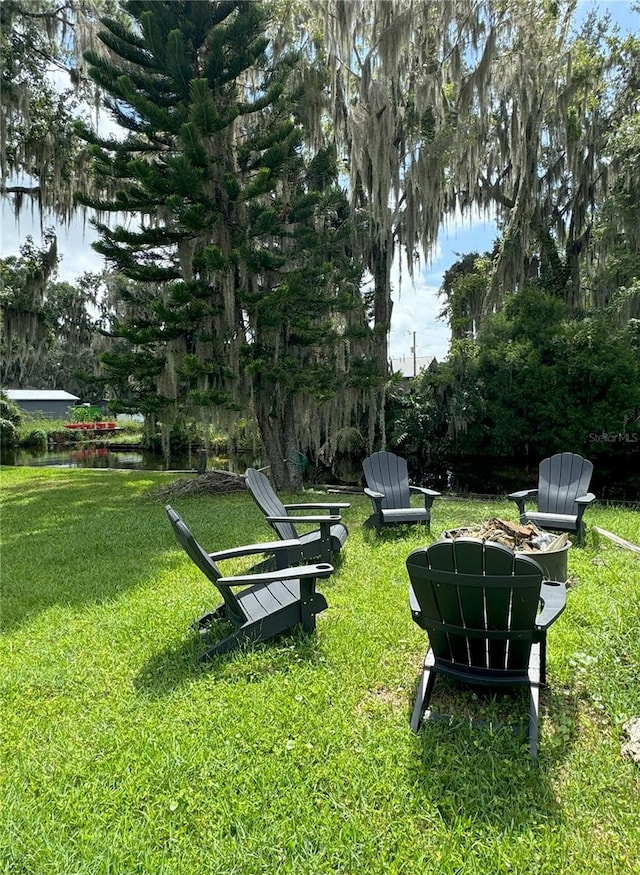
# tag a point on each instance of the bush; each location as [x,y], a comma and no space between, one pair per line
[8,433]
[9,410]
[36,439]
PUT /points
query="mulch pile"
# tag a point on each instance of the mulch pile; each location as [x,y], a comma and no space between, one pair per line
[210,483]
[524,538]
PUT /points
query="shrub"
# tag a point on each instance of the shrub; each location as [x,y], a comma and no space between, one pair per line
[9,410]
[36,439]
[8,433]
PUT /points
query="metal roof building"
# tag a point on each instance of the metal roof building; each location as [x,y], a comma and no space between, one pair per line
[52,403]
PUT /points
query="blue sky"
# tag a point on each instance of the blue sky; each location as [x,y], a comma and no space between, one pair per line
[416,305]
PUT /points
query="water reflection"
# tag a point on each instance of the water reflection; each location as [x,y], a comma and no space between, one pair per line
[479,476]
[91,457]
[107,457]
[611,481]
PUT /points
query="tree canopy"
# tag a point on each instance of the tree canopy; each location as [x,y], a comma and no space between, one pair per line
[274,158]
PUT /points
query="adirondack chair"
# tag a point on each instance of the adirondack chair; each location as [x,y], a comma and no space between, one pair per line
[269,604]
[479,603]
[390,493]
[318,544]
[562,494]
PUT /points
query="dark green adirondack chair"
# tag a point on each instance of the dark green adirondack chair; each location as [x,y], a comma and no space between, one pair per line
[390,493]
[318,544]
[479,603]
[269,604]
[562,494]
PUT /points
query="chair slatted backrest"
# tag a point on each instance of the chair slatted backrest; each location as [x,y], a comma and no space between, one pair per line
[387,473]
[201,558]
[264,496]
[562,478]
[478,602]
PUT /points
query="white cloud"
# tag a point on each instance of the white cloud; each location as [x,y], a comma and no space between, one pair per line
[416,304]
[415,309]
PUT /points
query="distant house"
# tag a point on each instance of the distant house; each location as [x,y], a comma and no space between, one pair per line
[409,366]
[52,403]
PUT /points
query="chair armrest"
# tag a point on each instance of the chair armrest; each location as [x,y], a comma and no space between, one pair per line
[422,490]
[525,493]
[428,494]
[553,596]
[250,549]
[521,497]
[585,499]
[334,508]
[376,499]
[373,494]
[304,519]
[302,572]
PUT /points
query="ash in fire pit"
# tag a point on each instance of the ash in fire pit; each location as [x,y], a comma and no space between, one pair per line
[525,539]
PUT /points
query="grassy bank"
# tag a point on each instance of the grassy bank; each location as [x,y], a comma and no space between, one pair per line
[123,755]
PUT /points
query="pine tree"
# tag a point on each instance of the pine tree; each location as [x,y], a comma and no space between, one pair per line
[235,288]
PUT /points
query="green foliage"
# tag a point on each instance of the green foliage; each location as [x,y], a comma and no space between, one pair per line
[550,380]
[49,337]
[465,287]
[8,433]
[538,379]
[36,439]
[90,413]
[9,410]
[27,334]
[43,91]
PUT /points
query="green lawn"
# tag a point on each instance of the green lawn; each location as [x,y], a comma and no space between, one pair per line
[121,754]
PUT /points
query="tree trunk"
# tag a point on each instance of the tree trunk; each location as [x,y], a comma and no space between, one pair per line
[379,267]
[278,438]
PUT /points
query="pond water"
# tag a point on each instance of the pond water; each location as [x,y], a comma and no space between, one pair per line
[91,457]
[107,457]
[617,481]
[614,482]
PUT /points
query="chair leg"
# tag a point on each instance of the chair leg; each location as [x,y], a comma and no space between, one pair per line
[534,720]
[543,660]
[425,689]
[536,662]
[311,604]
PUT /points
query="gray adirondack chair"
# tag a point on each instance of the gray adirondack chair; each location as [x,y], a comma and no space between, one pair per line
[318,544]
[390,493]
[562,494]
[269,604]
[479,602]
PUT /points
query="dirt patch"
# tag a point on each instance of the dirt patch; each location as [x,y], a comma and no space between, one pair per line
[382,698]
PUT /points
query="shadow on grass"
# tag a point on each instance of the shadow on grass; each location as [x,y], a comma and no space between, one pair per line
[180,664]
[486,776]
[397,533]
[82,537]
[73,540]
